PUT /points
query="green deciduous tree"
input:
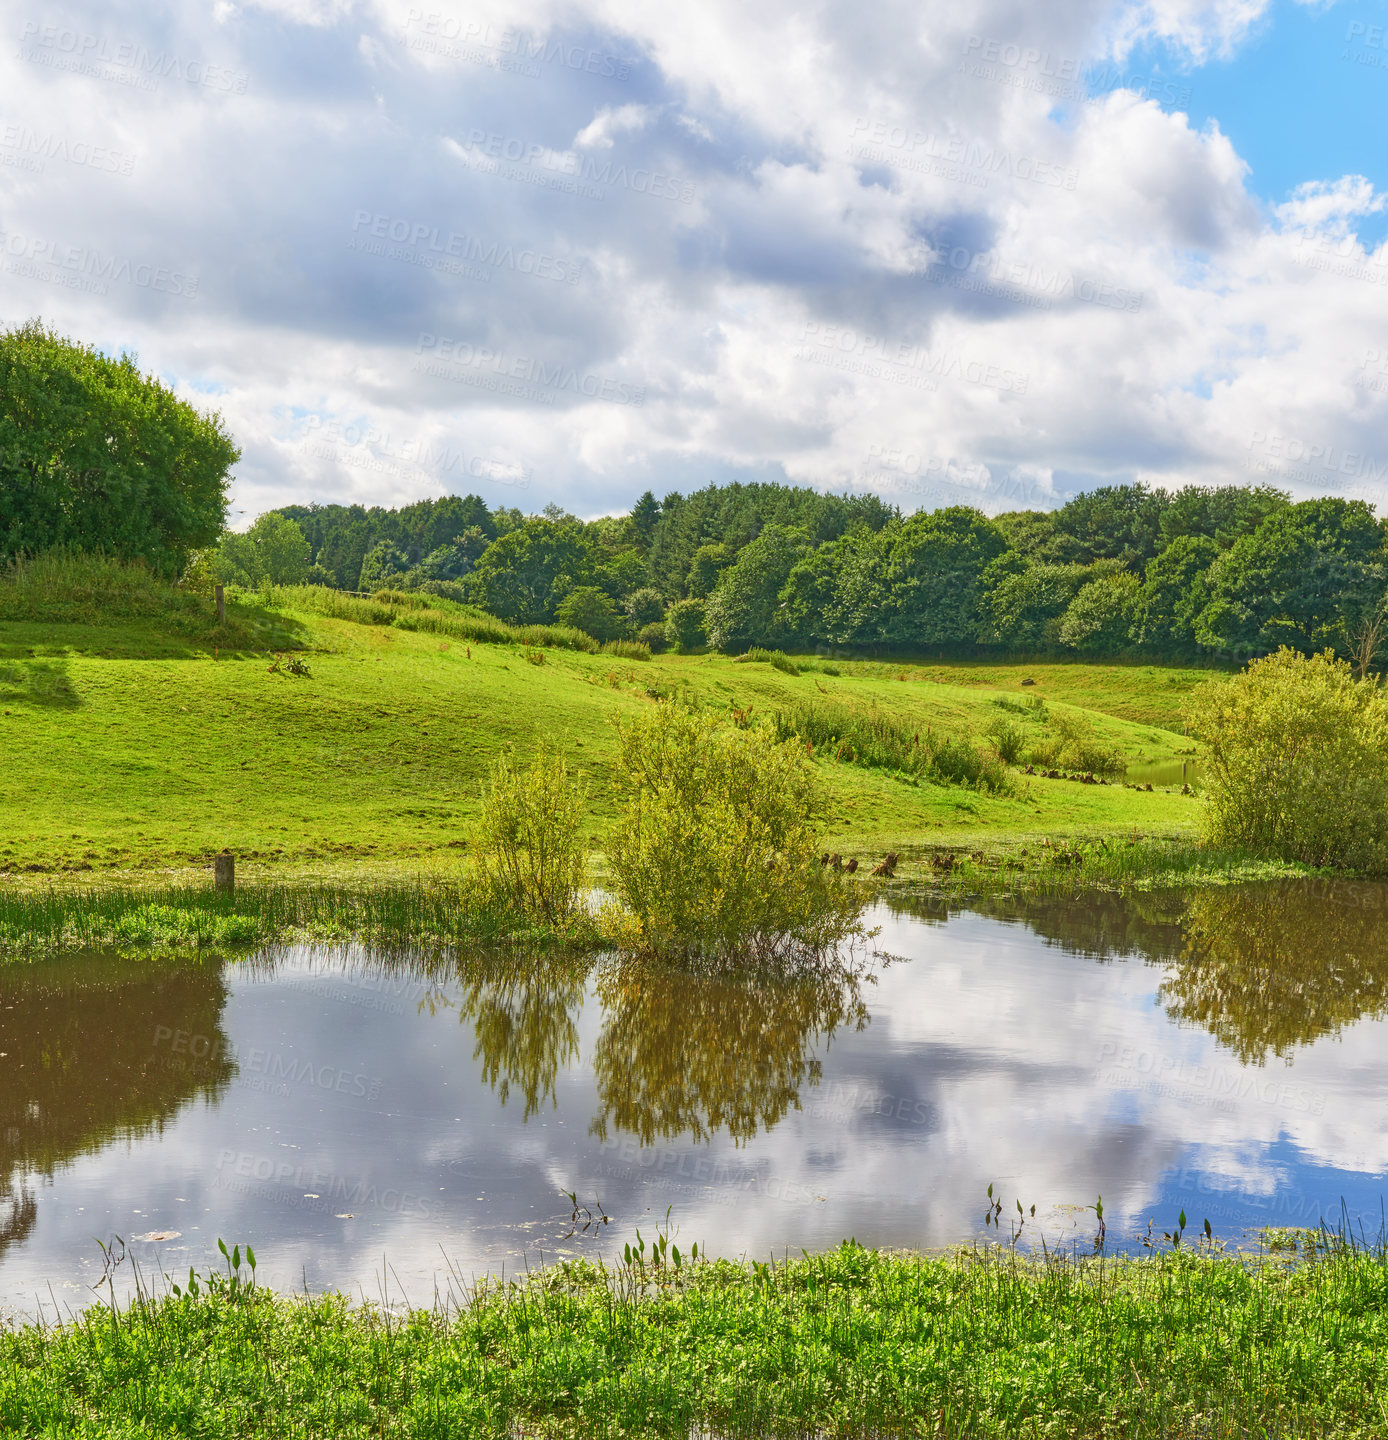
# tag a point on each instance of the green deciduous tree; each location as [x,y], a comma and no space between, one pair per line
[524,574]
[272,552]
[1099,620]
[96,456]
[744,609]
[591,610]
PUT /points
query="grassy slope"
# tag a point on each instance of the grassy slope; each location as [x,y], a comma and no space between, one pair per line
[124,748]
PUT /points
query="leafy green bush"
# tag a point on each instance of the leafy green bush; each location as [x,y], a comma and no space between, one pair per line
[777,659]
[588,609]
[530,860]
[684,622]
[627,649]
[655,637]
[1074,745]
[1298,761]
[1009,738]
[716,852]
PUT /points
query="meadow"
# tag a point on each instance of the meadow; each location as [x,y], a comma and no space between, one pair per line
[140,736]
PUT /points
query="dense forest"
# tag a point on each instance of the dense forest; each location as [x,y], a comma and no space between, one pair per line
[1124,570]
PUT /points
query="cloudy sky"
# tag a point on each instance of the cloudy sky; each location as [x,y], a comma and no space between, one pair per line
[986,251]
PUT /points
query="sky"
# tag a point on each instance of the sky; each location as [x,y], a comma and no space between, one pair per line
[985,252]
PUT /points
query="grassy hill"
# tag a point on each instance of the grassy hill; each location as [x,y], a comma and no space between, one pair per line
[140,735]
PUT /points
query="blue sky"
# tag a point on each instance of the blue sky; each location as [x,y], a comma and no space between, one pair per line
[563,250]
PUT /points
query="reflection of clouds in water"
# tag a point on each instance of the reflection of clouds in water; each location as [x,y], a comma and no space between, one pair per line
[1032,1052]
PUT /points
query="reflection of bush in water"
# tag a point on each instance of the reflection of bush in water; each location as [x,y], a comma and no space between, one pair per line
[525,1017]
[683,1052]
[82,1064]
[1267,968]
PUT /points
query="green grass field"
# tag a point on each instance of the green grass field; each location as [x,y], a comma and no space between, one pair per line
[137,745]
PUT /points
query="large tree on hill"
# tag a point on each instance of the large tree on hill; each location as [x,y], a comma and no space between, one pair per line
[523,576]
[96,456]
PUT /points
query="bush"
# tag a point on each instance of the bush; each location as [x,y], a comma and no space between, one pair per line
[588,609]
[530,860]
[1298,761]
[627,649]
[777,659]
[684,622]
[645,606]
[654,637]
[716,853]
[1009,738]
[1076,746]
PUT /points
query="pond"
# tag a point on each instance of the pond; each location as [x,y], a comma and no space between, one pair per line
[368,1122]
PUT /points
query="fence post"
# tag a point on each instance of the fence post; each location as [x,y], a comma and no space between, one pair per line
[221,604]
[224,873]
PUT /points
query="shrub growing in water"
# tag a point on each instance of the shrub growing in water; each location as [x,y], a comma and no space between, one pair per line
[716,853]
[1298,761]
[530,859]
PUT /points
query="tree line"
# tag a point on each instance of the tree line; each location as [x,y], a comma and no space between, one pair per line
[96,456]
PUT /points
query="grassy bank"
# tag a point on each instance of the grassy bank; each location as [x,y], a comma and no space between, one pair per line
[136,740]
[854,1342]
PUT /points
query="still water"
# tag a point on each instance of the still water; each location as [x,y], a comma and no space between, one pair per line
[354,1116]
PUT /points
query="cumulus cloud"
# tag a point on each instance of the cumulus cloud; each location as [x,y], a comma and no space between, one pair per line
[587,246]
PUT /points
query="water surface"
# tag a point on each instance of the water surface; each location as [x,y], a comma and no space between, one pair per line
[360,1116]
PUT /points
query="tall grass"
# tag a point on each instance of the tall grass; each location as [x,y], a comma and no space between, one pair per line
[991,1345]
[190,919]
[62,587]
[877,741]
[435,616]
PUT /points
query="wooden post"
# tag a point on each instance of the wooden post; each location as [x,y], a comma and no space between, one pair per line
[221,604]
[224,872]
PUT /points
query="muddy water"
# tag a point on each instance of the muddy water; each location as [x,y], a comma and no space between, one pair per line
[1224,1053]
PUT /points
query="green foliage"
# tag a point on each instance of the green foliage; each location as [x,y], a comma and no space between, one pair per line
[744,608]
[716,852]
[1174,591]
[877,741]
[627,649]
[1010,738]
[934,566]
[644,607]
[523,576]
[685,623]
[529,857]
[708,563]
[777,659]
[272,552]
[1297,761]
[1296,579]
[589,609]
[1098,621]
[1074,745]
[655,637]
[1222,515]
[1114,522]
[95,456]
[385,564]
[1023,612]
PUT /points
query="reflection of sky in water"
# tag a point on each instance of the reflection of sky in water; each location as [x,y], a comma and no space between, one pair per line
[1002,1049]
